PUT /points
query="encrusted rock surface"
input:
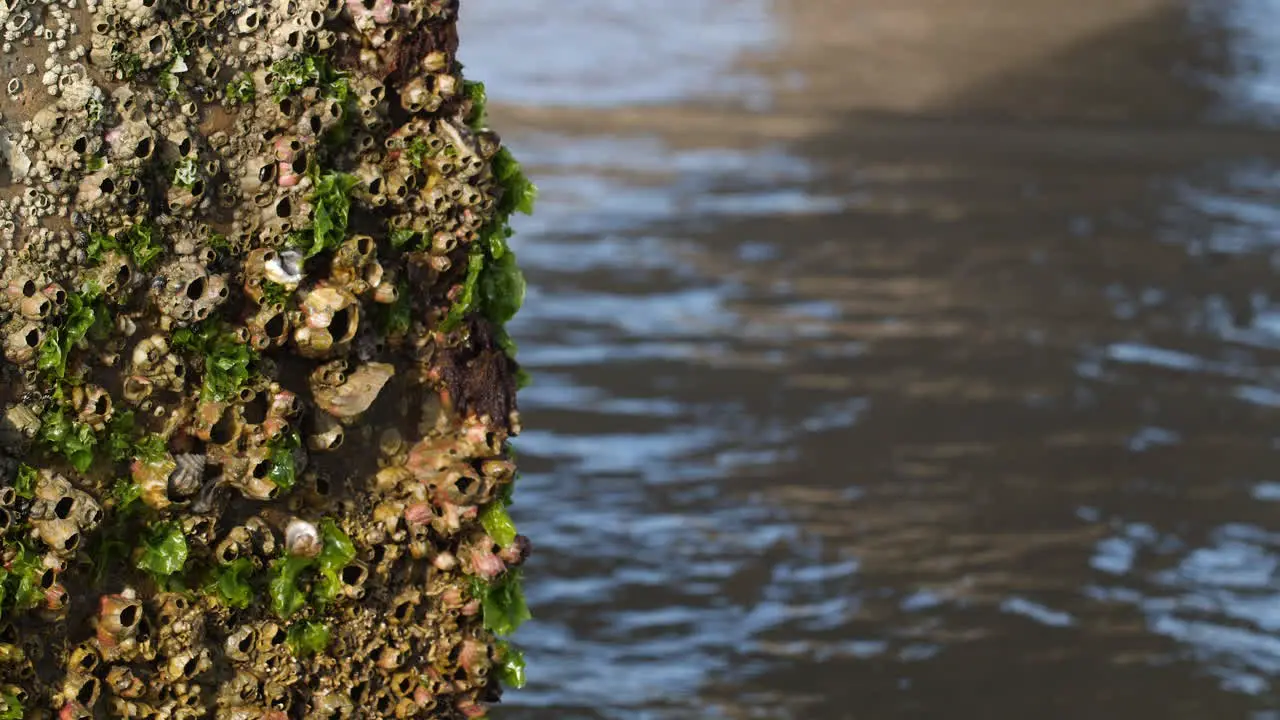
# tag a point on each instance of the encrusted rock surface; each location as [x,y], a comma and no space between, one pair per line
[257,395]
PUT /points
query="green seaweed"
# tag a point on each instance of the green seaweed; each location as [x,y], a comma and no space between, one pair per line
[273,293]
[497,523]
[287,597]
[478,118]
[240,89]
[502,288]
[465,302]
[124,493]
[129,64]
[518,193]
[164,550]
[510,665]
[494,284]
[399,315]
[417,152]
[302,70]
[24,483]
[336,551]
[139,242]
[231,583]
[20,579]
[167,80]
[76,441]
[285,586]
[11,707]
[85,312]
[401,237]
[150,448]
[121,436]
[284,464]
[307,638]
[186,173]
[331,203]
[113,541]
[502,602]
[228,362]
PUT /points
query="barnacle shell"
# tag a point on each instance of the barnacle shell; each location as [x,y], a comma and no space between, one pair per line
[349,399]
[301,538]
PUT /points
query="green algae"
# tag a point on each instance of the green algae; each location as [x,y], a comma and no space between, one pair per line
[498,523]
[284,463]
[228,362]
[76,441]
[24,483]
[11,707]
[511,665]
[164,550]
[231,583]
[20,579]
[502,602]
[307,638]
[240,89]
[139,242]
[331,210]
[186,173]
[287,597]
[289,574]
[85,312]
[302,70]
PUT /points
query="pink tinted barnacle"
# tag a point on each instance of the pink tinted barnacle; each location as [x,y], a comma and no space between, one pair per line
[20,287]
[216,421]
[469,708]
[74,710]
[517,551]
[482,561]
[56,598]
[282,407]
[351,398]
[118,618]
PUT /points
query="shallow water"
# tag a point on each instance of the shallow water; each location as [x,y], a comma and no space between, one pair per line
[897,359]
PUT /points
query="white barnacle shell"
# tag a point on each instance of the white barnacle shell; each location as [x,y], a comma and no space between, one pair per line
[78,88]
[301,538]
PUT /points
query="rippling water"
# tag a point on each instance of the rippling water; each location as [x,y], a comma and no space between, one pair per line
[932,413]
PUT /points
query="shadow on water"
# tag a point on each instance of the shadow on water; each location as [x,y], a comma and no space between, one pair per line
[917,417]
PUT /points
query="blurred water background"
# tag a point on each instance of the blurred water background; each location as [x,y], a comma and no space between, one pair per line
[896,358]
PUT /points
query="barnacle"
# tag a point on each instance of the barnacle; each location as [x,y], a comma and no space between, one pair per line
[254,274]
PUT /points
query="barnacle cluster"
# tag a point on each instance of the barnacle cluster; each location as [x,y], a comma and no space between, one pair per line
[257,397]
